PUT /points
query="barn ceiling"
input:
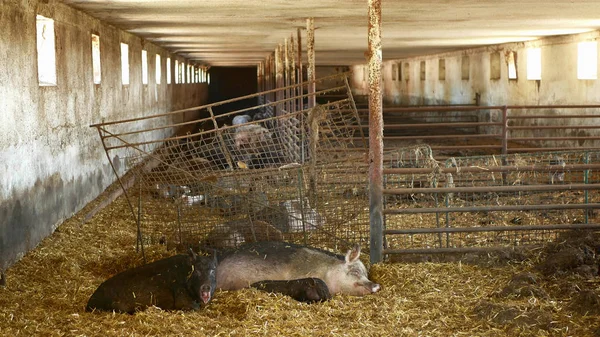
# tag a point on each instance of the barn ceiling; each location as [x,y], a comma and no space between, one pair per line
[244,32]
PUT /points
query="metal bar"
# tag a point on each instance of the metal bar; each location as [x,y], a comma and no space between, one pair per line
[489,229]
[476,169]
[310,47]
[279,79]
[553,138]
[504,130]
[293,92]
[375,133]
[551,149]
[553,116]
[545,127]
[495,136]
[489,208]
[300,88]
[484,189]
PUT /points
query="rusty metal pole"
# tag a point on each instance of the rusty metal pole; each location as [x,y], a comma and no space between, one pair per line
[310,71]
[300,77]
[286,55]
[293,91]
[279,78]
[375,132]
[259,81]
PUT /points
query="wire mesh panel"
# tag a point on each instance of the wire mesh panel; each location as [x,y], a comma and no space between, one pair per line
[246,175]
[491,201]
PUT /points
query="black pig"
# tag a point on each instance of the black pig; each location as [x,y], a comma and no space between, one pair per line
[180,282]
[308,289]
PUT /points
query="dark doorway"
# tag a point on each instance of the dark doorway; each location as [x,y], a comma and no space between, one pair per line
[232,82]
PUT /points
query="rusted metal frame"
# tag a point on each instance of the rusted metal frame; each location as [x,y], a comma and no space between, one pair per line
[139,230]
[355,111]
[553,116]
[375,132]
[553,138]
[489,229]
[293,80]
[485,189]
[437,136]
[149,155]
[568,106]
[279,96]
[206,106]
[549,149]
[458,147]
[228,156]
[286,72]
[434,125]
[310,47]
[562,127]
[479,169]
[208,119]
[471,209]
[300,88]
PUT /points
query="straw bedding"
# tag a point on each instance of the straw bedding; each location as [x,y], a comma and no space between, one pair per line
[47,290]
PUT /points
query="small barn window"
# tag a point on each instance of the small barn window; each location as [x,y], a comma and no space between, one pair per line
[406,71]
[176,72]
[442,69]
[144,67]
[587,60]
[124,63]
[182,73]
[394,72]
[534,64]
[511,61]
[207,77]
[495,66]
[168,70]
[189,73]
[423,71]
[46,51]
[465,65]
[96,59]
[158,69]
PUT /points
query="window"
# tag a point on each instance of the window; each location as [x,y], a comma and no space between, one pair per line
[96,59]
[158,69]
[168,70]
[207,78]
[394,72]
[46,52]
[442,69]
[423,70]
[511,60]
[587,60]
[534,64]
[189,73]
[144,67]
[176,72]
[406,71]
[465,65]
[124,63]
[201,75]
[495,73]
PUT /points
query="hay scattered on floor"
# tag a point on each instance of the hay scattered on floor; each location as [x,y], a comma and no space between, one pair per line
[48,289]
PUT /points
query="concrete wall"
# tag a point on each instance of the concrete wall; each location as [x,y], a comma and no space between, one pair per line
[559,84]
[51,162]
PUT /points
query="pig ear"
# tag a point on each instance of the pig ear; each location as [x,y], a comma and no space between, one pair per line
[192,255]
[353,254]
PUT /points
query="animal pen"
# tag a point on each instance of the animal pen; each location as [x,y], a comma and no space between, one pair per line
[293,174]
[300,174]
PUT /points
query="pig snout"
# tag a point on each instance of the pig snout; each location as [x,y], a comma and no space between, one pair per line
[366,288]
[205,293]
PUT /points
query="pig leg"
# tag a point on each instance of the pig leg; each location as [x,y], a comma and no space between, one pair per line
[307,290]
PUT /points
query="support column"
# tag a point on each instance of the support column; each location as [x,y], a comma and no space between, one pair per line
[286,54]
[375,132]
[293,91]
[310,47]
[279,78]
[300,78]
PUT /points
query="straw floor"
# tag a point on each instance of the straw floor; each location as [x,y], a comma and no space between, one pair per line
[47,290]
